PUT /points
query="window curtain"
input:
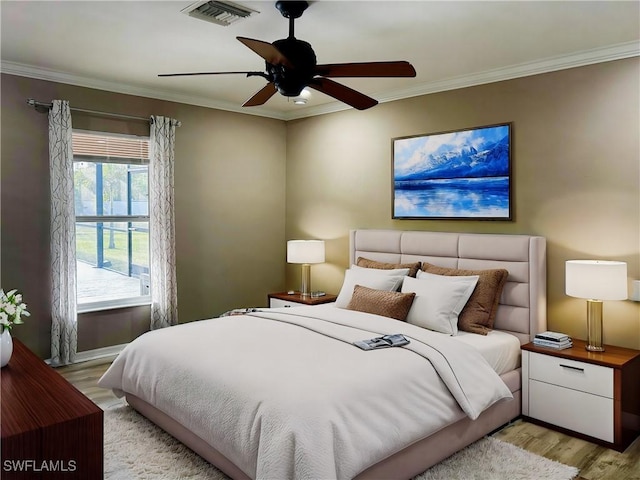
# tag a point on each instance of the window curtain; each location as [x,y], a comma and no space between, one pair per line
[162,257]
[64,318]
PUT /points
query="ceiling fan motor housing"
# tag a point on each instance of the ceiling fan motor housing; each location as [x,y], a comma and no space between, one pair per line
[290,82]
[291,9]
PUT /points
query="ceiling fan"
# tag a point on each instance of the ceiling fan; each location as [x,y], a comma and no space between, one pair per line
[291,66]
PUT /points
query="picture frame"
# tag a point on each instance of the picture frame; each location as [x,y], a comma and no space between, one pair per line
[458,175]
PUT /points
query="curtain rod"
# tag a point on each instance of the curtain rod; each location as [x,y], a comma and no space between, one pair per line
[44,107]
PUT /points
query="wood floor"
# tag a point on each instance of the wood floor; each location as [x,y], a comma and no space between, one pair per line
[593,461]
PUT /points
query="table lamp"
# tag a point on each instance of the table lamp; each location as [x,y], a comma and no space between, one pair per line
[596,280]
[305,252]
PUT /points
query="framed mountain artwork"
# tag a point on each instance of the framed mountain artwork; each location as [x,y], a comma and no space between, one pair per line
[461,174]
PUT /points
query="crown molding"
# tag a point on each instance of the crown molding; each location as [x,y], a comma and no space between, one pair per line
[552,64]
[38,73]
[579,59]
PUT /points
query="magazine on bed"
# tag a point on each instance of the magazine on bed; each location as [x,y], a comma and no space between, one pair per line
[393,340]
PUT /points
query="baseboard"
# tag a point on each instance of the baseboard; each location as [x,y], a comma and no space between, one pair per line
[96,353]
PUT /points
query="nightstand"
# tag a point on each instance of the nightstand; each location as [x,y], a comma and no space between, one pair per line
[284,299]
[591,395]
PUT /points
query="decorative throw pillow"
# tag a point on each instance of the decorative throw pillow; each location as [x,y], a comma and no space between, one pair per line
[439,300]
[479,313]
[381,302]
[367,263]
[391,271]
[367,277]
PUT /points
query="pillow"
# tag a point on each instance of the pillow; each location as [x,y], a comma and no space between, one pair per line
[439,300]
[381,302]
[389,271]
[480,312]
[367,277]
[366,263]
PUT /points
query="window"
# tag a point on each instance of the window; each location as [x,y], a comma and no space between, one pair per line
[111,193]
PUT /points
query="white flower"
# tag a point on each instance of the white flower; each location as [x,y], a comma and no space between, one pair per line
[11,309]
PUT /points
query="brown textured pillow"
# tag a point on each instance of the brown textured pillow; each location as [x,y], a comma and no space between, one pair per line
[381,302]
[480,311]
[367,263]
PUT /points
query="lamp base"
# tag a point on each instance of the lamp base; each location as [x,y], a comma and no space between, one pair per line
[594,348]
[305,287]
[594,326]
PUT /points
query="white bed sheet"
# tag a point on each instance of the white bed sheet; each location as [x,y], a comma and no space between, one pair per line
[500,349]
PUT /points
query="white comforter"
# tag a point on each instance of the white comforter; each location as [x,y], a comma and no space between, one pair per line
[284,395]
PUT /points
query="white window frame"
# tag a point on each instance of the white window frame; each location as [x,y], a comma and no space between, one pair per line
[124,302]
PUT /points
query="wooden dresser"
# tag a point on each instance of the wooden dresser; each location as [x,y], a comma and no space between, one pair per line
[49,429]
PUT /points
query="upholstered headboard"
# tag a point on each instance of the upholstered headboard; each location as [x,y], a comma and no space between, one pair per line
[523,305]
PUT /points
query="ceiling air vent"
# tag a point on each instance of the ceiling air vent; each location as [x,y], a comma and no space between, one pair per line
[222,13]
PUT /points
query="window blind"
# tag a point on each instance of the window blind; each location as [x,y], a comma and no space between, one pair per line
[108,147]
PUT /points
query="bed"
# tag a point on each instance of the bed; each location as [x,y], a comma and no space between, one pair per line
[292,397]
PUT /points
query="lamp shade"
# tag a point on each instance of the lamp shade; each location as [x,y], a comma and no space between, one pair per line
[305,251]
[596,279]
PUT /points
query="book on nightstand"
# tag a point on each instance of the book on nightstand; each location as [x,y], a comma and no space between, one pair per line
[556,340]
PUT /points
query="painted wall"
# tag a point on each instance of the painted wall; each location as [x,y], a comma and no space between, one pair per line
[229,188]
[576,167]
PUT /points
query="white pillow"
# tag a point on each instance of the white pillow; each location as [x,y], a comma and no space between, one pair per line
[367,277]
[439,300]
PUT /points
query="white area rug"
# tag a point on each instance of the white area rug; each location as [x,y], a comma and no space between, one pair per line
[135,449]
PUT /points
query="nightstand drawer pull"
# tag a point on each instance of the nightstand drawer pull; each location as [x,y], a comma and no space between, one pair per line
[571,367]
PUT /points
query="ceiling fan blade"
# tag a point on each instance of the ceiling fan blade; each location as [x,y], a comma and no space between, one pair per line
[208,73]
[267,51]
[261,96]
[343,93]
[367,69]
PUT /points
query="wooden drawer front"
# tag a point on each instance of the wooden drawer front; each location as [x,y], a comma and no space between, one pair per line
[578,411]
[571,374]
[277,303]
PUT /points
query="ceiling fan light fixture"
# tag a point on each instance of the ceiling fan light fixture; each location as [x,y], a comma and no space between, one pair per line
[303,97]
[220,13]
